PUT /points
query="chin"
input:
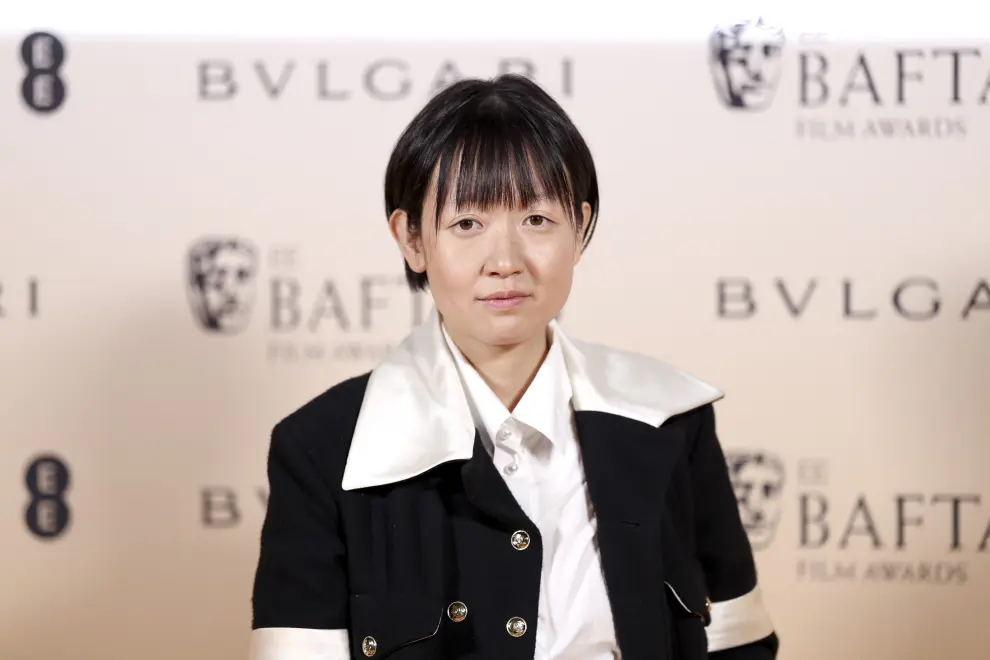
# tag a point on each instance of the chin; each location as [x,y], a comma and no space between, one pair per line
[510,330]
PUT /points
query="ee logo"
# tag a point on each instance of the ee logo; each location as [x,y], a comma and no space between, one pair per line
[42,88]
[47,479]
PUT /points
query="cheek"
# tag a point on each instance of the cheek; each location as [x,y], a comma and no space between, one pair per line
[450,267]
[554,264]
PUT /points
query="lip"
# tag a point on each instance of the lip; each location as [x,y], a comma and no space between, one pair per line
[505,299]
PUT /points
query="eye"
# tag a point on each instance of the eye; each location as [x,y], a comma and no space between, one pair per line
[466,224]
[538,221]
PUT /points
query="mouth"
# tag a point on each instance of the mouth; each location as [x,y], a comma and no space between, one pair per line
[504,299]
[505,295]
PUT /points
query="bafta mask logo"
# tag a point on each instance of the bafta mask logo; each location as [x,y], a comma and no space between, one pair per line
[746,61]
[221,286]
[758,480]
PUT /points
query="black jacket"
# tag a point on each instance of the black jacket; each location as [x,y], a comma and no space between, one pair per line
[387,532]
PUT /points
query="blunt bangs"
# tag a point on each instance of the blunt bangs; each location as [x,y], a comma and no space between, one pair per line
[503,143]
[494,165]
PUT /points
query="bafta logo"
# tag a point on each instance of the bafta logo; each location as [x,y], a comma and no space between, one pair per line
[746,60]
[222,275]
[758,480]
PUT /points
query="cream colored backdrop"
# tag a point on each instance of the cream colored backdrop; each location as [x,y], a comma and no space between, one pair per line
[821,255]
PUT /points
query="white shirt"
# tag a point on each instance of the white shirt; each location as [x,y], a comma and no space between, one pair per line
[536,451]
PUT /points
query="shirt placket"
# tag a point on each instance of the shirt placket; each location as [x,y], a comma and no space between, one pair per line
[511,461]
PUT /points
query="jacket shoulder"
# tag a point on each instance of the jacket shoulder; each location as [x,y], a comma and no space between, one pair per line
[323,426]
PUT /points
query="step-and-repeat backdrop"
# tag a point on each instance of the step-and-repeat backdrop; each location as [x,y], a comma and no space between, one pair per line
[193,243]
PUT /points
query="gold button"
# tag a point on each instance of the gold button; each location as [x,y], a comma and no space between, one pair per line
[369,646]
[708,604]
[520,540]
[457,611]
[516,626]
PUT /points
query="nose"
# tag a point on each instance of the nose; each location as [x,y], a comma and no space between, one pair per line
[505,257]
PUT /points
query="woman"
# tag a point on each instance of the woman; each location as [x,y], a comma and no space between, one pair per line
[495,489]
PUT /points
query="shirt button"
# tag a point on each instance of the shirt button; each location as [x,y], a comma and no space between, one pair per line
[369,646]
[457,611]
[520,541]
[511,468]
[503,433]
[516,626]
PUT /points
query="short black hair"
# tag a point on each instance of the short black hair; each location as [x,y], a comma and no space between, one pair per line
[511,143]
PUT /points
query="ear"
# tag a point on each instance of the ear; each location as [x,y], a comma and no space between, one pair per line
[579,244]
[410,244]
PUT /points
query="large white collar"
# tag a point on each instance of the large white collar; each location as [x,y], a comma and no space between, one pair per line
[415,414]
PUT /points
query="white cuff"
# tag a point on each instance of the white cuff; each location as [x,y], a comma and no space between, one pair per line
[738,621]
[299,644]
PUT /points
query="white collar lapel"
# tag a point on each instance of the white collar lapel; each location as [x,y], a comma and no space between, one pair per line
[632,385]
[416,416]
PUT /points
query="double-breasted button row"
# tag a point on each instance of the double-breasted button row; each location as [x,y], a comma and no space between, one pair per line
[516,626]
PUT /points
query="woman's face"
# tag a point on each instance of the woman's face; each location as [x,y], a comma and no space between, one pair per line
[498,277]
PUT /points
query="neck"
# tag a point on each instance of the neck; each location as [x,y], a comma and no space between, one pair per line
[508,370]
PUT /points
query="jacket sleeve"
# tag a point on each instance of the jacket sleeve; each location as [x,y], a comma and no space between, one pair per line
[300,593]
[740,628]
